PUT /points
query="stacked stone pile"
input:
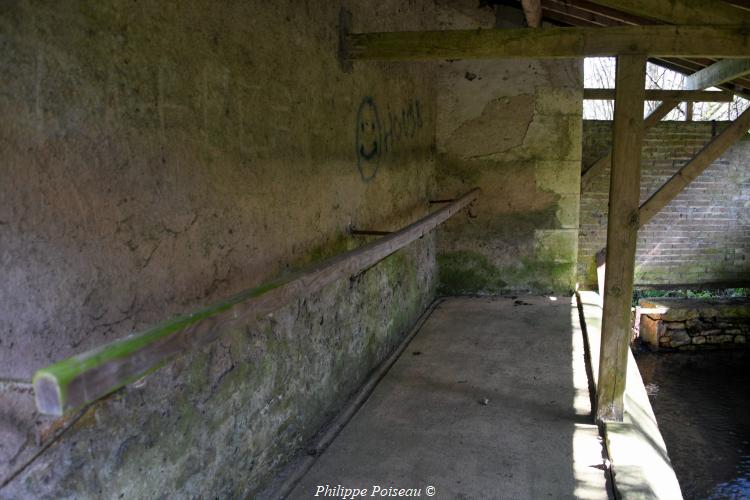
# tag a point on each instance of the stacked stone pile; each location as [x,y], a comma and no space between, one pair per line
[690,324]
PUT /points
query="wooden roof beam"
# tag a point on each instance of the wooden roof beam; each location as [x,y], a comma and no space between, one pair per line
[574,15]
[683,12]
[561,19]
[665,95]
[614,14]
[718,73]
[550,43]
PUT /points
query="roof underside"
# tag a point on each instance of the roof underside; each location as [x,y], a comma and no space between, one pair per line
[584,13]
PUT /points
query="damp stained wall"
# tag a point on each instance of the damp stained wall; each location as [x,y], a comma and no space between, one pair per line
[513,128]
[158,157]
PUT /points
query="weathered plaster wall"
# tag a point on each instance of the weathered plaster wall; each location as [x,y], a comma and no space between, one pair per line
[702,236]
[157,157]
[513,128]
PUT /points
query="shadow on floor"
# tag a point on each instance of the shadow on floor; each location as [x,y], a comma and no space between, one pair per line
[490,400]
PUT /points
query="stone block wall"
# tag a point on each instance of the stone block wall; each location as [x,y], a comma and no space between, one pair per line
[694,324]
[512,128]
[702,236]
[158,157]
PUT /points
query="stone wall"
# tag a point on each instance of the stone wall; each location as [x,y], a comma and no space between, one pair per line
[513,128]
[158,157]
[690,324]
[702,236]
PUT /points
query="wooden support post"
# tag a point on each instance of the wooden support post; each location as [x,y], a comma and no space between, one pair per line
[694,167]
[688,111]
[602,163]
[74,382]
[622,231]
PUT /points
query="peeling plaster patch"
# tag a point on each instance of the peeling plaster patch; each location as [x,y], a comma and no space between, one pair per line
[554,138]
[501,126]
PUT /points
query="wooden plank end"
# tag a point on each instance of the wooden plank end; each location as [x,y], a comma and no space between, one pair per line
[47,393]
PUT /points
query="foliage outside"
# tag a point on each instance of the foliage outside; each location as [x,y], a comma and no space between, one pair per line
[599,72]
[690,294]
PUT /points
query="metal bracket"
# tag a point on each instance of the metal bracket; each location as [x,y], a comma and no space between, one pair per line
[364,232]
[345,26]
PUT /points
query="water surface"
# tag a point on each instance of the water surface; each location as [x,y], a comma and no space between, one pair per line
[702,404]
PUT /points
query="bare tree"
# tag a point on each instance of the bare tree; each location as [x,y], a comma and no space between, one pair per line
[599,72]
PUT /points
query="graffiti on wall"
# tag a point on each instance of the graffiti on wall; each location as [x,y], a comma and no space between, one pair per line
[376,138]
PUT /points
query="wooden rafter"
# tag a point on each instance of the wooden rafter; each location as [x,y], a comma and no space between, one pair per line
[682,12]
[738,87]
[592,13]
[718,73]
[613,14]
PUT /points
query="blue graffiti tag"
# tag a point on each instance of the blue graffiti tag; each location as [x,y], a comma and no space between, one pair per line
[373,139]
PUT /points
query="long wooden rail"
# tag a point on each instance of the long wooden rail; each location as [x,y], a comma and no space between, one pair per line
[81,379]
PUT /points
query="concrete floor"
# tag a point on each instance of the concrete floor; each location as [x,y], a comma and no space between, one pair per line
[427,424]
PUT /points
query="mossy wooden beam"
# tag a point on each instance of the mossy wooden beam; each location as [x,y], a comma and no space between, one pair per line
[665,95]
[694,12]
[81,379]
[551,43]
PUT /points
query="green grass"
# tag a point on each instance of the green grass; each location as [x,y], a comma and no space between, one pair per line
[690,294]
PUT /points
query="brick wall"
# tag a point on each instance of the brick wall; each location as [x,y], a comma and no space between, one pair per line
[702,236]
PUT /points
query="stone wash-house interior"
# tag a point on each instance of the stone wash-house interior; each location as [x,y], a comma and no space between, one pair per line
[362,249]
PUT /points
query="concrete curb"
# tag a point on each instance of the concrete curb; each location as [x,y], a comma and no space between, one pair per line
[639,460]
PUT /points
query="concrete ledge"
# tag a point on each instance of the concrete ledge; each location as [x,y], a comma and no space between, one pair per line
[640,464]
